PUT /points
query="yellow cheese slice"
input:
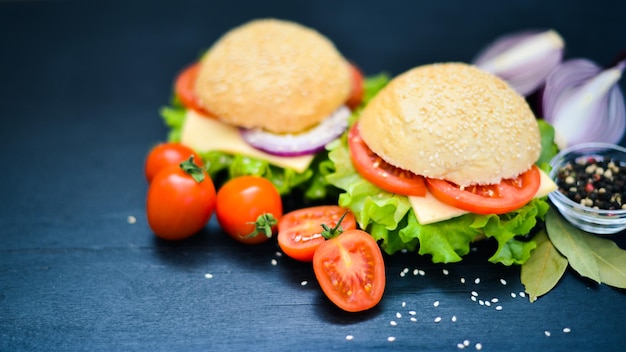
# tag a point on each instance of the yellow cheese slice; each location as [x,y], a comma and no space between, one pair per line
[207,134]
[429,210]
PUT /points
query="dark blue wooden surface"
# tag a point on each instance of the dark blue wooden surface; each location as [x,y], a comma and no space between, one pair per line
[80,88]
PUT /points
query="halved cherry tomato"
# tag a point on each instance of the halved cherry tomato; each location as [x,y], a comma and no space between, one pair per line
[300,231]
[249,208]
[180,201]
[508,195]
[356,95]
[167,154]
[376,170]
[350,270]
[184,89]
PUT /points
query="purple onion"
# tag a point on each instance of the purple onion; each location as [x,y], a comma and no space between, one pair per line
[308,142]
[584,103]
[523,59]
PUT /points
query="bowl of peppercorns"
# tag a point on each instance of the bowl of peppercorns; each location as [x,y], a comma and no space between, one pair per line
[591,180]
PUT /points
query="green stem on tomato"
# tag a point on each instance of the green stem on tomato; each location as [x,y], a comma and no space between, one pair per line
[192,169]
[263,224]
[329,233]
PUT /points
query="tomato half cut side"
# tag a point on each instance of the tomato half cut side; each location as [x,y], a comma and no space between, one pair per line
[350,270]
[382,174]
[184,89]
[300,231]
[358,88]
[508,195]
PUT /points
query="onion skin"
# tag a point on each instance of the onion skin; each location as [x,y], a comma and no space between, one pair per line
[584,102]
[523,59]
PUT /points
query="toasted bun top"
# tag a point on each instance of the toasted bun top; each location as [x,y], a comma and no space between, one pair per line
[452,121]
[273,74]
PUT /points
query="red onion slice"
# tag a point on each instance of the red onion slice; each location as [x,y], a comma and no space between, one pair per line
[523,59]
[309,142]
[584,102]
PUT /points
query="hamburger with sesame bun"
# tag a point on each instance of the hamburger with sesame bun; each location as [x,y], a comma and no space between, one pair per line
[265,99]
[444,155]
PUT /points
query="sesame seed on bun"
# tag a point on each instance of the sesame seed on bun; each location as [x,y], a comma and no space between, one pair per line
[273,74]
[452,121]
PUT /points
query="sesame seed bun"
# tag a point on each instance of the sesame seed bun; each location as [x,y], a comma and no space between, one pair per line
[452,121]
[276,75]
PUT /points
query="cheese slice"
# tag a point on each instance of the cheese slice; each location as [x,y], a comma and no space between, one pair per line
[429,210]
[205,134]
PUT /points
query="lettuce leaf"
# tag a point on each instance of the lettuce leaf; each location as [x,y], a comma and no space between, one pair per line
[390,220]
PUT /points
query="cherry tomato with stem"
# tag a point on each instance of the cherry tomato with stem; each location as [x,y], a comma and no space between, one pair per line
[350,269]
[180,201]
[300,231]
[168,154]
[249,208]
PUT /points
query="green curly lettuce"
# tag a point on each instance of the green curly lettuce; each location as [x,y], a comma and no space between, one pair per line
[389,218]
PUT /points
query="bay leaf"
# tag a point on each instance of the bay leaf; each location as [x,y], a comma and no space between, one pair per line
[610,258]
[544,269]
[569,240]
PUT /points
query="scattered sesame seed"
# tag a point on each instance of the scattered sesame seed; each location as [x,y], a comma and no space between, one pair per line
[453,319]
[460,346]
[522,294]
[479,346]
[567,330]
[466,343]
[415,272]
[422,272]
[402,274]
[403,304]
[412,312]
[131,219]
[304,283]
[437,319]
[413,319]
[481,302]
[462,280]
[349,337]
[498,307]
[391,339]
[513,294]
[494,300]
[393,323]
[398,315]
[477,281]
[445,272]
[208,276]
[503,281]
[436,304]
[279,254]
[405,270]
[274,262]
[547,333]
[474,293]
[474,298]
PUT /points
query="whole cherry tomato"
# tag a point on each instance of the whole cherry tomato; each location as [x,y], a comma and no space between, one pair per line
[167,154]
[180,201]
[248,208]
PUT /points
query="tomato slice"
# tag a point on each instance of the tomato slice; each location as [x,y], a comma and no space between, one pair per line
[300,231]
[382,174]
[350,270]
[356,95]
[184,89]
[508,195]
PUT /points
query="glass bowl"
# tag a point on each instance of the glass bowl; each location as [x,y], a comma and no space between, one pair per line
[587,218]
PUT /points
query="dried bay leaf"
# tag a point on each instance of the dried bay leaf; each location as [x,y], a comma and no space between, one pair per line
[569,240]
[544,269]
[610,258]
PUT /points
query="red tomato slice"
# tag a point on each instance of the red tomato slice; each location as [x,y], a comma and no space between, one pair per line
[300,231]
[508,195]
[350,270]
[377,171]
[356,95]
[184,89]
